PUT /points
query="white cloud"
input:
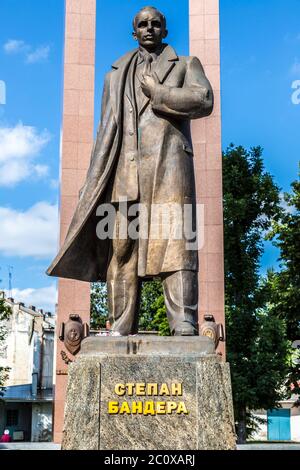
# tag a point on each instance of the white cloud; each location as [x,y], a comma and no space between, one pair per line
[43,297]
[20,141]
[31,55]
[19,147]
[41,170]
[30,233]
[40,54]
[15,46]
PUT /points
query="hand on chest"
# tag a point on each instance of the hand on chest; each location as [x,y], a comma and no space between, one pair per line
[170,74]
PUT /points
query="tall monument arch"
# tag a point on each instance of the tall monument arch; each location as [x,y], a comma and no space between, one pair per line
[205,44]
[77,141]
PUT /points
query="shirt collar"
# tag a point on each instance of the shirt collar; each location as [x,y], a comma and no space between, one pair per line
[143,54]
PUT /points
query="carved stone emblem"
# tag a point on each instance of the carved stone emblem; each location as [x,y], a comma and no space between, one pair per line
[211,329]
[72,333]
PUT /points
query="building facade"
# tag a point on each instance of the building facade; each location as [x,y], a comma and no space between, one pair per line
[280,424]
[28,351]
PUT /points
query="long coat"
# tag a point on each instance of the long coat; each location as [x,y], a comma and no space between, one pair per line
[181,94]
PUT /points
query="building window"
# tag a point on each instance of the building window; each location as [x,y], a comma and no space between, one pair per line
[12,417]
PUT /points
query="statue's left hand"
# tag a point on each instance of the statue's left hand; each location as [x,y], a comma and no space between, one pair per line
[148,84]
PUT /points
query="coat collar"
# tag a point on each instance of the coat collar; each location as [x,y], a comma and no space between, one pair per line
[165,63]
[125,59]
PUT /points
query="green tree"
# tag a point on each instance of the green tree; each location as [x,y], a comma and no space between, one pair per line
[257,348]
[5,313]
[284,285]
[151,292]
[153,313]
[99,305]
[160,321]
[152,316]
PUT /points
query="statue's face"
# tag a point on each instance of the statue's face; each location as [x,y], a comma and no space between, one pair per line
[149,29]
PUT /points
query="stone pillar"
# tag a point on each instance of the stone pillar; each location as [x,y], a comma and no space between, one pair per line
[206,133]
[77,141]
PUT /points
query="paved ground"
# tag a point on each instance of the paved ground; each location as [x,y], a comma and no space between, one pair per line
[52,446]
[30,446]
[269,446]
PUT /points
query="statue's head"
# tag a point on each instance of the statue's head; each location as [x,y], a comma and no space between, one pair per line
[150,28]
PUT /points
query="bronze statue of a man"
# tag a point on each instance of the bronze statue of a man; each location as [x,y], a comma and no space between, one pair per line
[143,156]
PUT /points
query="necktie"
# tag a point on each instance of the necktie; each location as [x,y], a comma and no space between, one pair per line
[147,67]
[143,70]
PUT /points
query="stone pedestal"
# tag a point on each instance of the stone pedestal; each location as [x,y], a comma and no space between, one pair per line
[142,371]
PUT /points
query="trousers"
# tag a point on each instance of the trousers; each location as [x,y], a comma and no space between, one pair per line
[124,289]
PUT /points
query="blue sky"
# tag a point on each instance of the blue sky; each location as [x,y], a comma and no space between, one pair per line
[260,55]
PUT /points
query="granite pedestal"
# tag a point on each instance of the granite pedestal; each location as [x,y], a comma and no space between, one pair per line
[142,371]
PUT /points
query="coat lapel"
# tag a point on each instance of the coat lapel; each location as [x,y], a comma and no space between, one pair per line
[163,67]
[129,83]
[144,103]
[165,63]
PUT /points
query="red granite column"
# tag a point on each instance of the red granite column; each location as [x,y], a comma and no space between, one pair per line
[205,44]
[77,141]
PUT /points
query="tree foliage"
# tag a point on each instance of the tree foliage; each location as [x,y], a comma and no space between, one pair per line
[257,347]
[284,286]
[99,305]
[151,291]
[152,316]
[5,313]
[286,283]
[160,321]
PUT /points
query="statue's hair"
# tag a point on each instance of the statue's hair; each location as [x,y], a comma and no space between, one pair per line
[163,18]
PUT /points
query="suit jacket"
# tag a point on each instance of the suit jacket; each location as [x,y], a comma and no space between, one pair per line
[162,157]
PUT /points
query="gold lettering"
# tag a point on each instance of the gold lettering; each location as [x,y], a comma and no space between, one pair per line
[140,389]
[171,406]
[120,389]
[176,389]
[124,408]
[149,408]
[130,388]
[164,390]
[137,407]
[161,407]
[152,389]
[113,407]
[181,409]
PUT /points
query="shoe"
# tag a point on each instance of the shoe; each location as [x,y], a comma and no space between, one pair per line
[186,331]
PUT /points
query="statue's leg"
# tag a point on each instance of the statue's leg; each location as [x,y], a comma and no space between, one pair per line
[181,299]
[123,286]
